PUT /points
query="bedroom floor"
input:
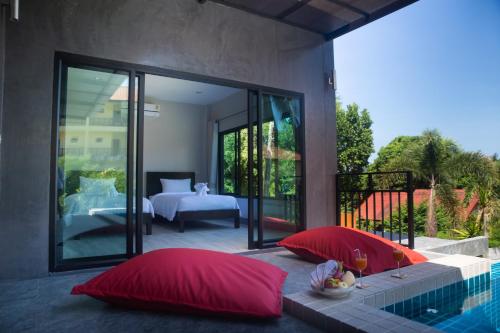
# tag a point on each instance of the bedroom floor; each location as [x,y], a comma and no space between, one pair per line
[45,305]
[217,235]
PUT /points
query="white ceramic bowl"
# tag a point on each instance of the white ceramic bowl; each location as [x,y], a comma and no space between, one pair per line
[334,292]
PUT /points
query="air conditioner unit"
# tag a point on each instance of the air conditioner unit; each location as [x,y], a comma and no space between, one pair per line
[151,110]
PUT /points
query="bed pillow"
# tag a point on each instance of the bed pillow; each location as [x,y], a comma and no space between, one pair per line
[192,281]
[175,185]
[105,186]
[338,243]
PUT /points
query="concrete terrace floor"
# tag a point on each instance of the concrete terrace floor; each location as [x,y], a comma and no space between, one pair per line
[45,305]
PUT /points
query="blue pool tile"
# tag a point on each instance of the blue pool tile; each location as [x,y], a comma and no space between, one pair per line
[424,301]
[399,309]
[432,297]
[407,307]
[443,308]
[447,291]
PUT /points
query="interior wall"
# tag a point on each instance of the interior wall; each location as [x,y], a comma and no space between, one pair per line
[208,39]
[176,141]
[231,112]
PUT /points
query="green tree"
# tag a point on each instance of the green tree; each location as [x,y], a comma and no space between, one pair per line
[429,160]
[481,178]
[392,151]
[354,138]
[229,162]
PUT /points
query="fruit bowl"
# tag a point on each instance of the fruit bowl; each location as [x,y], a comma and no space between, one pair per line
[334,292]
[329,279]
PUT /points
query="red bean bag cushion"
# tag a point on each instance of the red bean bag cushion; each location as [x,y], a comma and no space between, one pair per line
[338,243]
[192,281]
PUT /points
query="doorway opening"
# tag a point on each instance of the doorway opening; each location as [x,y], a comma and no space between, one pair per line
[183,161]
[145,158]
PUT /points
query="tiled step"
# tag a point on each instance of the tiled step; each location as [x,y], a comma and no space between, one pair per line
[361,310]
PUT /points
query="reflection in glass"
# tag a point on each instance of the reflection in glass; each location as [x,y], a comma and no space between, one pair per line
[92,164]
[229,165]
[281,165]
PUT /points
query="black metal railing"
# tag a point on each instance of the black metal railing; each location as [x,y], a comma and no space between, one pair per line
[379,202]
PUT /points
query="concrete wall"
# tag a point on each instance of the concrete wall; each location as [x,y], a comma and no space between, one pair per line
[206,39]
[176,141]
[476,246]
[3,23]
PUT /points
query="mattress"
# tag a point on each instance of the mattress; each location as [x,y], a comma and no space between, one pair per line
[168,204]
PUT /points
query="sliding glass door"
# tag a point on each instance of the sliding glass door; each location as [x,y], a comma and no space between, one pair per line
[277,200]
[95,166]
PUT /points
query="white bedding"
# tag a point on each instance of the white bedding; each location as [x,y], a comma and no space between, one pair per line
[168,204]
[92,204]
[147,207]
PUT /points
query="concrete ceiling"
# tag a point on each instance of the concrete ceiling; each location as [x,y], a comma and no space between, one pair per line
[330,18]
[183,91]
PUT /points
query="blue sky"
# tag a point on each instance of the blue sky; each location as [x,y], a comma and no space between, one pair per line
[433,64]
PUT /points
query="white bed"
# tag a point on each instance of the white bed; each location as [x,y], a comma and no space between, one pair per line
[168,204]
[182,204]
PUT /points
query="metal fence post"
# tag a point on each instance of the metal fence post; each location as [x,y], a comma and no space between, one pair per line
[411,225]
[337,200]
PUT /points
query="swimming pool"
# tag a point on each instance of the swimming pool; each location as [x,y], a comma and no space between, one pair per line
[467,306]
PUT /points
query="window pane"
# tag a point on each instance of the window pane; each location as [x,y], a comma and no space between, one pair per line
[281,165]
[92,164]
[255,163]
[243,163]
[229,163]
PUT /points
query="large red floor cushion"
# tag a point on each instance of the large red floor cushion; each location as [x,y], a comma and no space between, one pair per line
[338,243]
[192,281]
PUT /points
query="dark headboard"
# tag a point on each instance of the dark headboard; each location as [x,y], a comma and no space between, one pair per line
[153,184]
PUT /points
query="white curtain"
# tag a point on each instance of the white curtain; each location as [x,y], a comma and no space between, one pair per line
[212,182]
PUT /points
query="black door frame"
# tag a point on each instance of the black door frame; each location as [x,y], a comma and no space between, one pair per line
[261,242]
[139,71]
[61,63]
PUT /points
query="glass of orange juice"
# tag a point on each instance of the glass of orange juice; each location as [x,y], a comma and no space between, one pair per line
[361,261]
[398,255]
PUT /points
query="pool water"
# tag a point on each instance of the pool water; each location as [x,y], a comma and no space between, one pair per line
[467,306]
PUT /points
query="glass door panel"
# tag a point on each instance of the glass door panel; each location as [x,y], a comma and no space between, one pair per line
[280,156]
[93,198]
